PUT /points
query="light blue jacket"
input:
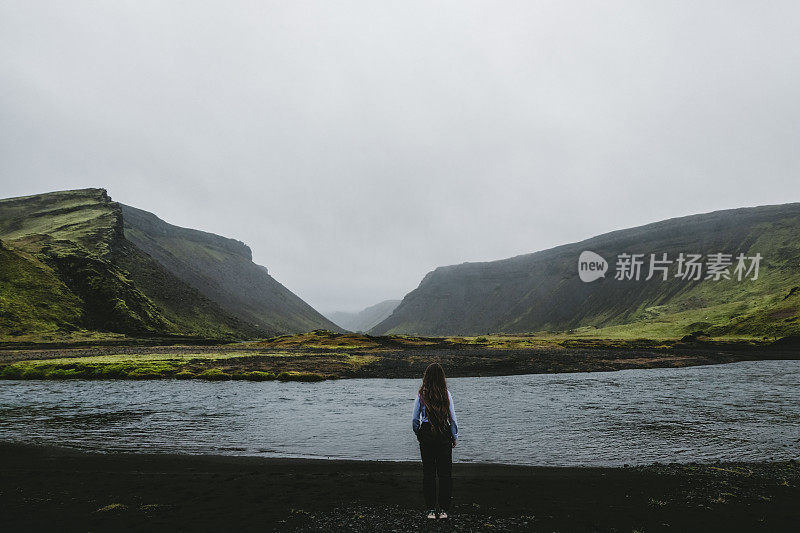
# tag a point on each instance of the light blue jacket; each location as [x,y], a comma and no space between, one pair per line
[419,416]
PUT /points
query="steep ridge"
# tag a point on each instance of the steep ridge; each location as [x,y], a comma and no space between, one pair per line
[66,266]
[222,269]
[543,292]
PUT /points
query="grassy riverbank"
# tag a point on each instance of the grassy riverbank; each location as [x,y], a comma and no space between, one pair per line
[46,489]
[209,366]
[324,355]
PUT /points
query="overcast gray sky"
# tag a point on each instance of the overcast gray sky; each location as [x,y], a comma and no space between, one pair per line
[355,146]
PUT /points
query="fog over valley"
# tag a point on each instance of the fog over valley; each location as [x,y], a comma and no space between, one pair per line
[357,146]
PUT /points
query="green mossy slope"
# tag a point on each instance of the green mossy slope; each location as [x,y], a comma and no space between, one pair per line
[33,297]
[542,292]
[67,267]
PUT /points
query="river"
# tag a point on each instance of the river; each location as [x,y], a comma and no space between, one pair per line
[744,411]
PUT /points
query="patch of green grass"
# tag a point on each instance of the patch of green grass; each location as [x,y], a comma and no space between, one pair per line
[156,366]
[214,374]
[255,376]
[62,373]
[359,360]
[33,373]
[301,376]
[82,336]
[76,369]
[149,366]
[149,358]
[318,339]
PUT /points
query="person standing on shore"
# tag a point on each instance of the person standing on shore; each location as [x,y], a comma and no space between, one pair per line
[434,423]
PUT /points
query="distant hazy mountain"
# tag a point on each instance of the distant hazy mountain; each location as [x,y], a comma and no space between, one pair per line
[76,260]
[542,290]
[366,319]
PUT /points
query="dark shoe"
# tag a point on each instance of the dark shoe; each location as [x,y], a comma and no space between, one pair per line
[432,515]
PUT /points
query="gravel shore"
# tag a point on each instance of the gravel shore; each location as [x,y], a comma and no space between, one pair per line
[59,489]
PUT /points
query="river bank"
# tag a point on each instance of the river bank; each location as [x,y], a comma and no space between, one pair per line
[324,355]
[48,488]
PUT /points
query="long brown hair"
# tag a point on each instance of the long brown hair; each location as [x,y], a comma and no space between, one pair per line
[433,394]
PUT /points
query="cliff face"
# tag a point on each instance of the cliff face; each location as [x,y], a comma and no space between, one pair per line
[542,290]
[223,271]
[74,247]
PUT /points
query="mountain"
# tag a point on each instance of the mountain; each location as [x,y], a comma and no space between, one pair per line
[542,291]
[223,271]
[77,261]
[365,319]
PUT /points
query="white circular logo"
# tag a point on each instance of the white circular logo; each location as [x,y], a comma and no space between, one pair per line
[591,266]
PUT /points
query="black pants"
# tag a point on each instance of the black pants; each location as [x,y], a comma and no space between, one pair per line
[437,460]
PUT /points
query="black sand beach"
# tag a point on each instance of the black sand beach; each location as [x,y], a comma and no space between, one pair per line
[66,490]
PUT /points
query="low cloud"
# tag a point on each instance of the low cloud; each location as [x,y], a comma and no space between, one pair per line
[357,145]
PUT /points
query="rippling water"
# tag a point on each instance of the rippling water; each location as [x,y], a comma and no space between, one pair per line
[740,411]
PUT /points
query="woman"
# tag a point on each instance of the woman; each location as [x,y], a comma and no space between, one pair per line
[434,422]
